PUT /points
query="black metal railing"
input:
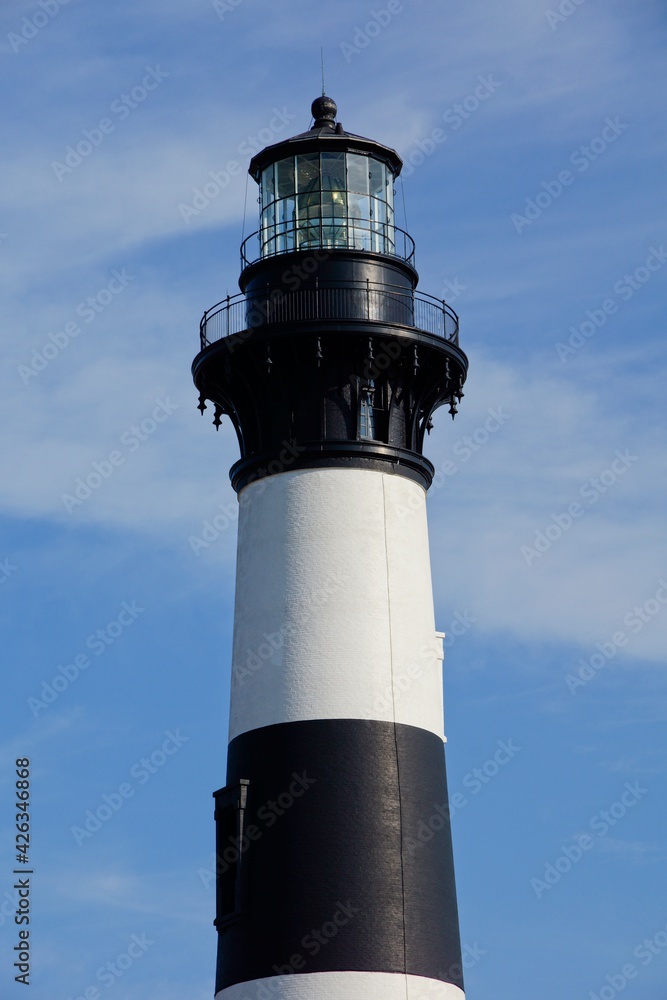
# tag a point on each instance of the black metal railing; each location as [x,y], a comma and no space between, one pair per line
[328,234]
[359,301]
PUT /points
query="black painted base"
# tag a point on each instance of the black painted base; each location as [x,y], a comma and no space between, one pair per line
[334,853]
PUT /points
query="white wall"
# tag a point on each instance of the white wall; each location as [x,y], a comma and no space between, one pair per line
[334,607]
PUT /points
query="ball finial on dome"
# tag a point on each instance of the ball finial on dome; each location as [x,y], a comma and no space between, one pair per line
[324,111]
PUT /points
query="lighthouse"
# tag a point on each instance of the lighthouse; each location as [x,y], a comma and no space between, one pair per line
[335,876]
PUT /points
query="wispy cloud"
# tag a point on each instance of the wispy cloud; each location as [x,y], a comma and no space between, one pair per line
[637,852]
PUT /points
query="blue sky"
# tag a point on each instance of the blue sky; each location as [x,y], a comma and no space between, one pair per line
[536,139]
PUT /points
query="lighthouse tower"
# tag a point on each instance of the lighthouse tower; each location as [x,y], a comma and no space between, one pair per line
[335,878]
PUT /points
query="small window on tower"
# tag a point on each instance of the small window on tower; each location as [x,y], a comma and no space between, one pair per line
[366,413]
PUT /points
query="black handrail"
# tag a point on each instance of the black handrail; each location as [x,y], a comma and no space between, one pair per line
[363,301]
[313,234]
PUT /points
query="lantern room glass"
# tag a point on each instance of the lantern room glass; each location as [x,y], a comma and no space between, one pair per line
[327,200]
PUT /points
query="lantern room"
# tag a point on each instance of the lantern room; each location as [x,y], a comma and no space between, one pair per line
[327,199]
[329,189]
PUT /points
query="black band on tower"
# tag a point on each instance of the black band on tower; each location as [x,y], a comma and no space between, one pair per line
[345,833]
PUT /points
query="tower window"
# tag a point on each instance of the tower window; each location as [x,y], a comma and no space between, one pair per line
[366,412]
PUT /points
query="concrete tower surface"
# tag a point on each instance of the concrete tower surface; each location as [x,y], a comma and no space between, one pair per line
[335,878]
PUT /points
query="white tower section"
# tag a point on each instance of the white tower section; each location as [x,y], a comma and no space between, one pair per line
[334,606]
